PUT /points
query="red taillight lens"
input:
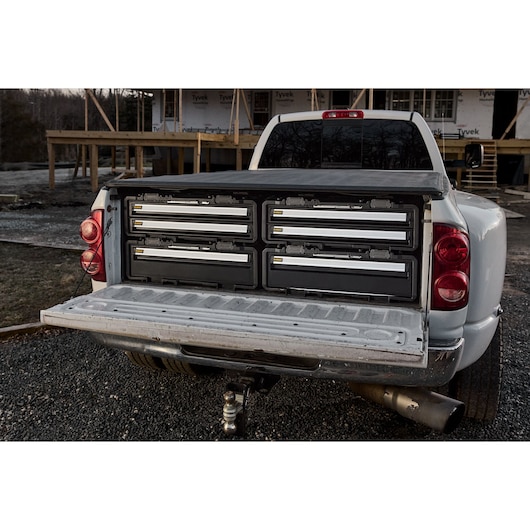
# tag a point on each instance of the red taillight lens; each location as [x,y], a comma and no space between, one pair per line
[92,262]
[90,230]
[92,259]
[340,114]
[451,268]
[452,286]
[453,249]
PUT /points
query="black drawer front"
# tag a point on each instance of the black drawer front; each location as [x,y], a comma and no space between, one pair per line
[194,218]
[331,224]
[394,277]
[234,267]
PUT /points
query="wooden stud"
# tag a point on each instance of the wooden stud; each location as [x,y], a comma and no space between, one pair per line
[77,160]
[514,119]
[180,109]
[197,155]
[51,164]
[208,160]
[94,167]
[168,161]
[236,124]
[100,109]
[180,169]
[245,104]
[139,161]
[117,100]
[356,102]
[174,111]
[164,103]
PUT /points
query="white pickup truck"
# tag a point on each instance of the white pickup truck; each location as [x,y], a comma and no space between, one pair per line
[343,252]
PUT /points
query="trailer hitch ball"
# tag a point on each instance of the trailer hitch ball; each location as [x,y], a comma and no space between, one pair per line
[231,409]
[236,400]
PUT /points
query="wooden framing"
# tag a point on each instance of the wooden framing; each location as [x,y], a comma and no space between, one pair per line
[203,142]
[454,149]
[197,142]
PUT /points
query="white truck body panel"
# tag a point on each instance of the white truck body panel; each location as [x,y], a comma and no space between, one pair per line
[407,342]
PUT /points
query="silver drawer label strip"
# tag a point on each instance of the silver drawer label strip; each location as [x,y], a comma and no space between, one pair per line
[190,210]
[190,254]
[340,233]
[397,217]
[379,266]
[147,224]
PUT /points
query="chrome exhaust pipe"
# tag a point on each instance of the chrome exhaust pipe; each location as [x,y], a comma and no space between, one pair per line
[436,411]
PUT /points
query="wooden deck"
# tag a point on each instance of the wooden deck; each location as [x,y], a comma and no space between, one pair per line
[201,143]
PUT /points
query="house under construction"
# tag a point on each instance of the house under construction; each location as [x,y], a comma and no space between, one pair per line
[194,130]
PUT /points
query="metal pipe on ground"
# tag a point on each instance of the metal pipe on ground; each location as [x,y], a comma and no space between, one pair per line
[434,410]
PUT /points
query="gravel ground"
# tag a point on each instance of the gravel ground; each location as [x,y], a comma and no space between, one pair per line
[59,385]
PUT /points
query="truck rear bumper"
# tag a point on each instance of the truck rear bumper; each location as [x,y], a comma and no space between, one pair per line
[307,337]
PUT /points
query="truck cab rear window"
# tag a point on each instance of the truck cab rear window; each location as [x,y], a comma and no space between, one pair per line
[359,144]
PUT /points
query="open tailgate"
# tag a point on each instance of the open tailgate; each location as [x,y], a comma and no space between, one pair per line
[249,322]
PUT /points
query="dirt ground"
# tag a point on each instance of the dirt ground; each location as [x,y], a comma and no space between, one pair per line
[40,245]
[43,216]
[39,241]
[32,278]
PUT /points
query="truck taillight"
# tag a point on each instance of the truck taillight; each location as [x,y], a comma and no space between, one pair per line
[340,114]
[90,230]
[92,259]
[451,267]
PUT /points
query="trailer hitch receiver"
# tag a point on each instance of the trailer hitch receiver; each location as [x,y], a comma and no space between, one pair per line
[236,401]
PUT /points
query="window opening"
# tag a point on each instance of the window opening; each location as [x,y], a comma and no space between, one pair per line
[433,105]
[261,109]
[340,99]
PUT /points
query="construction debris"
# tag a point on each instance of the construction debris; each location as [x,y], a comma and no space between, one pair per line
[523,194]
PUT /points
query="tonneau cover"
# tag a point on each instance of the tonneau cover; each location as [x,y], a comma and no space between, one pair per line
[340,180]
